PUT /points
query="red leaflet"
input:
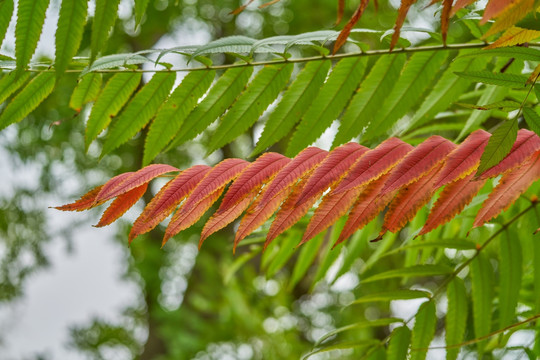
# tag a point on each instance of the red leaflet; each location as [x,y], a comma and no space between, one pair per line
[402,13]
[418,162]
[215,179]
[86,201]
[121,204]
[494,8]
[463,160]
[527,143]
[409,200]
[187,216]
[344,34]
[374,163]
[332,169]
[369,204]
[168,197]
[120,185]
[460,4]
[452,200]
[329,211]
[253,176]
[511,186]
[289,213]
[220,219]
[305,161]
[445,15]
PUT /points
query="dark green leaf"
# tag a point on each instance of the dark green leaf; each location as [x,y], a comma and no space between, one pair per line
[530,21]
[501,79]
[499,145]
[30,19]
[140,8]
[516,52]
[104,18]
[69,32]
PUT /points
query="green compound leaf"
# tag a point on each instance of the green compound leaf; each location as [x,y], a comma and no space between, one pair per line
[140,110]
[115,94]
[69,32]
[30,19]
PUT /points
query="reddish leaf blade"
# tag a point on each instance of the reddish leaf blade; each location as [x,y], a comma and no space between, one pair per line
[110,185]
[452,200]
[527,143]
[511,186]
[121,204]
[340,11]
[369,204]
[224,217]
[344,34]
[118,187]
[329,211]
[215,179]
[409,200]
[460,4]
[186,216]
[168,197]
[332,169]
[418,162]
[494,8]
[464,159]
[402,13]
[304,162]
[445,16]
[253,176]
[375,163]
[86,201]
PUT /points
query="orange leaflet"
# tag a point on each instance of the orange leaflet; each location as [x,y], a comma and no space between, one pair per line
[216,178]
[122,204]
[332,169]
[341,9]
[445,15]
[111,185]
[460,4]
[252,177]
[344,34]
[494,8]
[452,200]
[304,162]
[368,205]
[122,185]
[464,159]
[86,201]
[409,200]
[511,186]
[168,197]
[527,143]
[402,13]
[186,216]
[220,219]
[417,162]
[329,211]
[375,163]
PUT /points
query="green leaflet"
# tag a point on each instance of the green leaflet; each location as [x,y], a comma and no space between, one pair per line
[140,8]
[104,18]
[516,52]
[504,105]
[423,330]
[399,343]
[86,91]
[11,83]
[499,145]
[445,92]
[536,277]
[219,98]
[69,32]
[532,118]
[359,325]
[115,94]
[456,316]
[306,257]
[411,271]
[294,104]
[403,294]
[174,112]
[530,21]
[114,61]
[458,244]
[329,254]
[28,99]
[361,344]
[30,18]
[482,296]
[247,109]
[501,79]
[370,97]
[326,107]
[231,44]
[140,110]
[510,266]
[286,250]
[415,78]
[6,11]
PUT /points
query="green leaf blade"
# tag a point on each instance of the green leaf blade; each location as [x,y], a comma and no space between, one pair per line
[500,79]
[482,295]
[423,330]
[402,294]
[398,345]
[510,264]
[113,97]
[412,271]
[533,119]
[10,83]
[174,112]
[6,12]
[260,93]
[69,32]
[104,18]
[87,90]
[456,316]
[140,110]
[499,145]
[30,19]
[140,8]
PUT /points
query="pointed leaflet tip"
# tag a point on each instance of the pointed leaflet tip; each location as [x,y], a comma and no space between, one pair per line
[86,201]
[374,163]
